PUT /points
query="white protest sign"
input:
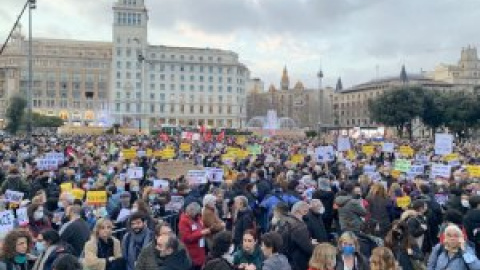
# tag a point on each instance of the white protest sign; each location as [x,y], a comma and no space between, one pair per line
[215,174]
[443,144]
[197,177]
[454,163]
[343,144]
[175,204]
[122,176]
[388,147]
[369,169]
[160,183]
[325,153]
[14,196]
[56,156]
[7,221]
[196,137]
[135,173]
[141,153]
[46,164]
[440,170]
[416,170]
[375,177]
[123,215]
[421,159]
[22,216]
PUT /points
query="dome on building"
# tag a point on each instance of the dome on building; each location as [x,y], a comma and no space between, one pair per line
[299,86]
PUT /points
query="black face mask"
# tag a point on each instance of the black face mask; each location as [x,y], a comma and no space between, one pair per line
[397,234]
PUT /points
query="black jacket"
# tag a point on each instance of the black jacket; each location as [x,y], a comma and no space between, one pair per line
[316,227]
[218,264]
[76,234]
[362,262]
[264,187]
[243,222]
[297,242]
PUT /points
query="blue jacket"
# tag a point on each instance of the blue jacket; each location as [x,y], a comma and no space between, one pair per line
[271,201]
[439,259]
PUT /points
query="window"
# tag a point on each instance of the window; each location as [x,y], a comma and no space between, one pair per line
[127,107]
[119,75]
[119,64]
[220,109]
[162,108]
[192,109]
[118,95]
[201,68]
[129,64]
[229,89]
[210,69]
[201,109]
[201,88]
[220,89]
[192,78]
[192,87]
[152,96]
[172,87]
[210,79]
[162,97]
[152,86]
[201,78]
[152,108]
[220,70]
[128,75]
[229,110]
[139,76]
[182,87]
[162,77]
[162,86]
[210,109]
[210,89]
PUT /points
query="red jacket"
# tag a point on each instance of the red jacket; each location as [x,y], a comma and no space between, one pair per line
[190,232]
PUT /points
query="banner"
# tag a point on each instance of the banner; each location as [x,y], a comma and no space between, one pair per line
[174,169]
[343,144]
[168,153]
[255,149]
[402,165]
[197,177]
[416,170]
[440,170]
[443,144]
[97,197]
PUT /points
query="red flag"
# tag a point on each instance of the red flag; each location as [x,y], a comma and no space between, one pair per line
[164,137]
[208,136]
[221,136]
[202,129]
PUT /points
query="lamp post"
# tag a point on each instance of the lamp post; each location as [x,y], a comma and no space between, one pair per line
[32,5]
[141,59]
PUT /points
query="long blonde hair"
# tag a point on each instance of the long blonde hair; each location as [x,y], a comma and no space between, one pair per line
[382,259]
[323,257]
[377,190]
[100,224]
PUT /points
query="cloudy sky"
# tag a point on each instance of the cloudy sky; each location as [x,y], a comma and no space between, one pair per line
[347,38]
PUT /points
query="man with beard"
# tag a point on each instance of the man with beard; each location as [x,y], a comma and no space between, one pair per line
[138,237]
[165,253]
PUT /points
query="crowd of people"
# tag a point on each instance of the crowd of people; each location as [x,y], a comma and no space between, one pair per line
[86,202]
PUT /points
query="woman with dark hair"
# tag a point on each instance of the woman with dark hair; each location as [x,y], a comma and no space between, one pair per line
[220,258]
[38,221]
[49,246]
[16,247]
[67,262]
[249,253]
[403,246]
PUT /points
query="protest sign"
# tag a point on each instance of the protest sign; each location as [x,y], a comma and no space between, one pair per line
[66,187]
[47,164]
[78,193]
[141,153]
[388,147]
[440,170]
[22,216]
[402,165]
[174,169]
[168,153]
[443,144]
[175,204]
[7,221]
[197,177]
[473,170]
[395,174]
[13,196]
[416,170]
[441,198]
[255,149]
[215,174]
[129,153]
[97,197]
[135,173]
[407,151]
[351,155]
[59,157]
[450,157]
[343,144]
[403,202]
[185,147]
[241,140]
[297,158]
[161,183]
[242,154]
[325,153]
[368,149]
[369,169]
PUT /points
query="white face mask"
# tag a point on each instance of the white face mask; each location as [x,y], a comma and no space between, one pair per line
[231,250]
[321,210]
[465,204]
[38,215]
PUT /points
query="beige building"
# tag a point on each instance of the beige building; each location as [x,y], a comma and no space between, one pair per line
[302,105]
[350,106]
[71,78]
[466,72]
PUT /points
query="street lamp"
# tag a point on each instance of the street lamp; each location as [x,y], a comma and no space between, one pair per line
[141,60]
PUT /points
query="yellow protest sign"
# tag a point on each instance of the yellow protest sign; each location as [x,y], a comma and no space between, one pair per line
[451,157]
[168,153]
[395,173]
[474,170]
[351,155]
[129,153]
[149,153]
[66,187]
[185,147]
[403,202]
[368,149]
[78,193]
[157,153]
[297,158]
[407,151]
[242,154]
[96,197]
[241,140]
[233,150]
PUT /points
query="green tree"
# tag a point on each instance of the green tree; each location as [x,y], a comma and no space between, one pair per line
[15,113]
[433,109]
[398,108]
[40,120]
[461,113]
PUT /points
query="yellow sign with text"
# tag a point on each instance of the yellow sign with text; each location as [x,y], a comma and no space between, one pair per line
[78,193]
[186,147]
[368,149]
[407,151]
[403,202]
[129,153]
[66,187]
[474,170]
[96,197]
[297,158]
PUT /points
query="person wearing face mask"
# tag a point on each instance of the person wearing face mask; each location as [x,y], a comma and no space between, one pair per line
[37,220]
[165,253]
[417,223]
[49,246]
[349,257]
[403,246]
[138,237]
[15,253]
[314,221]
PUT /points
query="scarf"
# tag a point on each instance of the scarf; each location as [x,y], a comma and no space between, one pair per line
[135,245]
[40,263]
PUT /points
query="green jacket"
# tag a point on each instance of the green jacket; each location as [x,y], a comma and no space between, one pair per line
[255,258]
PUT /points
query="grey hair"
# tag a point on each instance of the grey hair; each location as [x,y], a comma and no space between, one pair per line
[315,201]
[172,242]
[193,209]
[455,228]
[299,205]
[209,199]
[243,199]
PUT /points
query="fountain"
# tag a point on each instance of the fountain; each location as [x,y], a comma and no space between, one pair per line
[271,122]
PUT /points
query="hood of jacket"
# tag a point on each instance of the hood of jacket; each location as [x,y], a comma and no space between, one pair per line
[343,200]
[178,260]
